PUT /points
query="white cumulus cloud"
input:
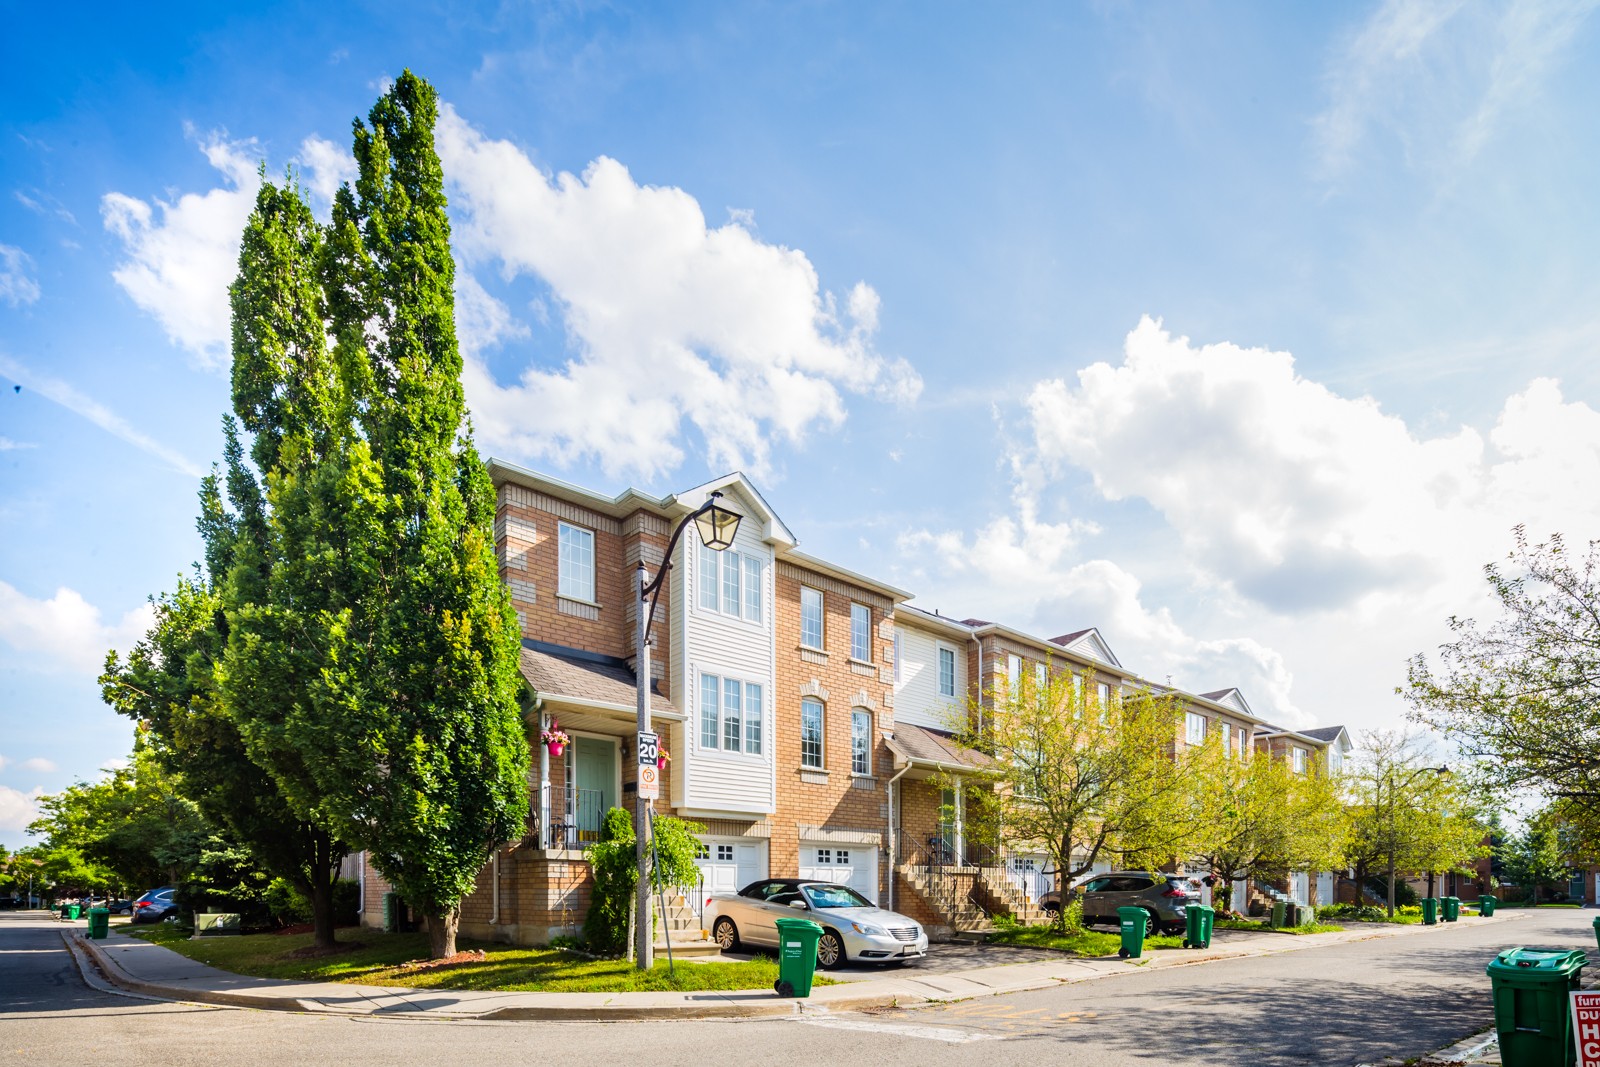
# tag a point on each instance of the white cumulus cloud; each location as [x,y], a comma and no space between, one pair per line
[324,167]
[66,631]
[17,284]
[669,321]
[182,255]
[18,809]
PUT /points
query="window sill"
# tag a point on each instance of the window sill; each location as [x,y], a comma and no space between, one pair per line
[858,666]
[813,655]
[820,772]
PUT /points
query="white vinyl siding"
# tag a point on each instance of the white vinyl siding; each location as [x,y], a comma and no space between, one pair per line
[1194,728]
[575,578]
[810,618]
[899,658]
[810,733]
[932,677]
[861,633]
[860,742]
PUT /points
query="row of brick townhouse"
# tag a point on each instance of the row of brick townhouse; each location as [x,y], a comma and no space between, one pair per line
[805,709]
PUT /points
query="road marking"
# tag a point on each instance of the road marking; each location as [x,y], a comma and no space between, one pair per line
[927,1033]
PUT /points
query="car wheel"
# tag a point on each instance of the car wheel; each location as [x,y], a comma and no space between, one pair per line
[830,951]
[1152,924]
[725,934]
[1051,911]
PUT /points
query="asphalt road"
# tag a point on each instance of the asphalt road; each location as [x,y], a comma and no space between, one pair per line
[1342,1004]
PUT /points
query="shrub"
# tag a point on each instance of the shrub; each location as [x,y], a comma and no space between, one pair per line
[616,874]
[289,906]
[1358,912]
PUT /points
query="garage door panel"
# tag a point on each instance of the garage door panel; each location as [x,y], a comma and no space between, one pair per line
[729,864]
[853,865]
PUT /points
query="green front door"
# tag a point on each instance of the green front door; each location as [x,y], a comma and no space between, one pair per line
[596,772]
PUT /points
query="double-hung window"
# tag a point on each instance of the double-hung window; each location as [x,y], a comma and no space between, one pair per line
[730,714]
[1335,761]
[575,578]
[861,741]
[1103,690]
[1041,677]
[1225,730]
[1014,675]
[861,633]
[810,732]
[810,617]
[730,583]
[1194,728]
[1299,761]
[947,672]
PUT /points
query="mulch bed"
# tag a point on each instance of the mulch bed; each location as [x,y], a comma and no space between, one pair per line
[468,956]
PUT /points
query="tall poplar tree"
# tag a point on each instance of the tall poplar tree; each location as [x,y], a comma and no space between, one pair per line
[372,657]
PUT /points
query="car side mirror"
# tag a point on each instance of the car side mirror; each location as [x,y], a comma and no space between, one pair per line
[802,905]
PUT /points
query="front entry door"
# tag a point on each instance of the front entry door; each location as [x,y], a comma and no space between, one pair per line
[595,760]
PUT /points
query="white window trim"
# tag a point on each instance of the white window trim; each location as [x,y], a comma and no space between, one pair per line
[822,619]
[866,633]
[718,560]
[720,749]
[938,666]
[1190,719]
[594,578]
[822,736]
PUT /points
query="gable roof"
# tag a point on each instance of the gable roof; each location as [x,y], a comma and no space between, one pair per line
[744,492]
[578,678]
[1088,642]
[1230,698]
[1331,734]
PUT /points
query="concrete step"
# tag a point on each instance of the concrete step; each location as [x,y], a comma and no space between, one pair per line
[698,950]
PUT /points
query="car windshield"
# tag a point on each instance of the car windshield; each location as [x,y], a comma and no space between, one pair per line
[836,896]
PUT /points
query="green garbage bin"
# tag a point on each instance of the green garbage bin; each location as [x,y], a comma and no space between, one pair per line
[99,923]
[74,911]
[1530,1005]
[1200,918]
[1280,914]
[797,956]
[1597,931]
[1133,922]
[391,913]
[1486,908]
[1430,911]
[1451,908]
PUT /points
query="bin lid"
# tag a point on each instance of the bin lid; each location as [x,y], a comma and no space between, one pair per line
[1541,960]
[806,926]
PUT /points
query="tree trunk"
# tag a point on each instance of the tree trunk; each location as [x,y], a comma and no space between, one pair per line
[322,912]
[442,933]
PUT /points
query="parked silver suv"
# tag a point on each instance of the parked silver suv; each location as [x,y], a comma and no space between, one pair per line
[1163,897]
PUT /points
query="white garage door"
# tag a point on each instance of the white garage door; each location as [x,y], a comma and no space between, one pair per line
[853,865]
[730,864]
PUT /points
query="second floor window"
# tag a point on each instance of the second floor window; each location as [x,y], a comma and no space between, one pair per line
[576,576]
[730,714]
[810,733]
[1194,728]
[861,633]
[1226,733]
[810,618]
[1014,674]
[861,741]
[1299,761]
[947,672]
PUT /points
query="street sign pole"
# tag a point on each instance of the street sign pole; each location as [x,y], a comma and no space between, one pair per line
[643,939]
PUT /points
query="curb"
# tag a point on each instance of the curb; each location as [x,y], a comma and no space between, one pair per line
[712,1007]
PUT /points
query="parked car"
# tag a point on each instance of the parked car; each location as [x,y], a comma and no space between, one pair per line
[120,907]
[155,905]
[1163,897]
[853,928]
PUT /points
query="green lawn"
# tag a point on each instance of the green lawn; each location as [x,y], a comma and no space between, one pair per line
[1077,943]
[379,958]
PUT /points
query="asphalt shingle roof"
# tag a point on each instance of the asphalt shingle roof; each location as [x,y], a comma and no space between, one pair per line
[554,671]
[915,744]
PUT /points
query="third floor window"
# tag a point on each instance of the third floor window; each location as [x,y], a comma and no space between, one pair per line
[861,633]
[576,576]
[947,672]
[810,617]
[1194,728]
[730,584]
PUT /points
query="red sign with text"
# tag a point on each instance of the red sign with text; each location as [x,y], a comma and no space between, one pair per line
[1586,1027]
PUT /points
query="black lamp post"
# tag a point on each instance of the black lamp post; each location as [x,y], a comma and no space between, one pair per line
[717,527]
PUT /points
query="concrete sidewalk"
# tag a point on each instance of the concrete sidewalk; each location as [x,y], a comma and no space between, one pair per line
[143,967]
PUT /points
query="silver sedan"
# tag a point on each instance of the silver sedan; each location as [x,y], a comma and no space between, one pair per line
[852,927]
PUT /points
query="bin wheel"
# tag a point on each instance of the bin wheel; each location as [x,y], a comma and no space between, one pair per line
[1187,945]
[782,988]
[1122,953]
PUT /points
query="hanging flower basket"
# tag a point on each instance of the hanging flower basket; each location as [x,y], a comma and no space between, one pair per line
[662,758]
[555,739]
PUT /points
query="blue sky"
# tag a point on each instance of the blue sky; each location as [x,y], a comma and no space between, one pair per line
[1243,332]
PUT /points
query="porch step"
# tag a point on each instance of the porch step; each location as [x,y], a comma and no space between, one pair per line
[701,950]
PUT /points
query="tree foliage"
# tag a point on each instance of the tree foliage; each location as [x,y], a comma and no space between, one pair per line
[1260,819]
[1408,814]
[1523,693]
[1534,859]
[616,874]
[1077,779]
[371,661]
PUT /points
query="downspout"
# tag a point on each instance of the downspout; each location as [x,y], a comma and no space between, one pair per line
[494,895]
[894,830]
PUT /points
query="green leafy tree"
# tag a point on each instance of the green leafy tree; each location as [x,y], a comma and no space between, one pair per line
[1260,819]
[1408,814]
[1520,693]
[1078,780]
[1534,858]
[606,928]
[168,686]
[372,648]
